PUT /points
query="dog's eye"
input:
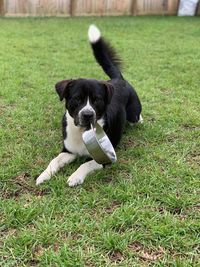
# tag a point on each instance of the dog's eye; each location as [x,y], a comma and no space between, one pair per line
[97,101]
[77,100]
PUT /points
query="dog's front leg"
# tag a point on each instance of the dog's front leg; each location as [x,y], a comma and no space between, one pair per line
[79,175]
[54,166]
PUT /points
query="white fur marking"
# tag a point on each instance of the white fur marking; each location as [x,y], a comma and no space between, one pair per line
[87,107]
[54,166]
[94,34]
[79,175]
[74,142]
[101,122]
[141,119]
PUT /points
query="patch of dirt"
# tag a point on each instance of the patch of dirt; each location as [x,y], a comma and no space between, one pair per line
[160,209]
[113,206]
[4,107]
[176,211]
[65,236]
[22,185]
[129,142]
[172,138]
[166,91]
[127,175]
[8,232]
[107,179]
[152,120]
[116,256]
[195,207]
[193,158]
[146,254]
[89,264]
[197,248]
[39,251]
[182,217]
[183,213]
[189,127]
[33,262]
[56,247]
[124,161]
[32,228]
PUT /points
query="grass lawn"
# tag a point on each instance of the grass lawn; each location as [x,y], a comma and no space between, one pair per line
[145,210]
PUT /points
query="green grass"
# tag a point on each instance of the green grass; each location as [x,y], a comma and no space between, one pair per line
[144,211]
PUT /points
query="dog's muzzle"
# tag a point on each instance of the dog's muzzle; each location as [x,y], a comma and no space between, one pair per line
[87,117]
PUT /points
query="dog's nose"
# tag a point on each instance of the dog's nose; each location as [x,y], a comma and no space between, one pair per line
[88,115]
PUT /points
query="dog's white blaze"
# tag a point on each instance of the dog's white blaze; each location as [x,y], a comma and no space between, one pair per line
[94,34]
[74,142]
[87,107]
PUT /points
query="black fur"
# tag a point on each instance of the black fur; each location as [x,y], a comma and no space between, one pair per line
[64,133]
[115,100]
[107,57]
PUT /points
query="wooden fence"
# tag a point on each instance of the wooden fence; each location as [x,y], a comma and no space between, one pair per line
[88,7]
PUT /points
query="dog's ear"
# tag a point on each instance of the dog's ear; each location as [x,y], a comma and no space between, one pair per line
[109,91]
[62,88]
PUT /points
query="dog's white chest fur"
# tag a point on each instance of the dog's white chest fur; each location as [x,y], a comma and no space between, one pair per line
[74,142]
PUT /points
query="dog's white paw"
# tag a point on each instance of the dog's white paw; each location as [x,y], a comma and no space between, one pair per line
[43,177]
[74,180]
[141,120]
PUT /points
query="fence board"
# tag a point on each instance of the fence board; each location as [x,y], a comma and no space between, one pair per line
[37,7]
[101,7]
[156,7]
[118,7]
[173,7]
[1,7]
[198,9]
[10,7]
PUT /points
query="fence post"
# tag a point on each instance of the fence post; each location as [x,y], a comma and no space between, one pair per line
[173,7]
[72,9]
[134,8]
[2,11]
[165,7]
[198,9]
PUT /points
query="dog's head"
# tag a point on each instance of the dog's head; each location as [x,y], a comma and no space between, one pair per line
[86,99]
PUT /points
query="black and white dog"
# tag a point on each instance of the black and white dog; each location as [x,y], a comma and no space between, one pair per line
[110,103]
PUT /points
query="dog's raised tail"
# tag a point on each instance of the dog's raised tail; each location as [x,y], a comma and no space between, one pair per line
[105,55]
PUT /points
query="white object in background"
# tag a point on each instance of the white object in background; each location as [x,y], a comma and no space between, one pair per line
[187,7]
